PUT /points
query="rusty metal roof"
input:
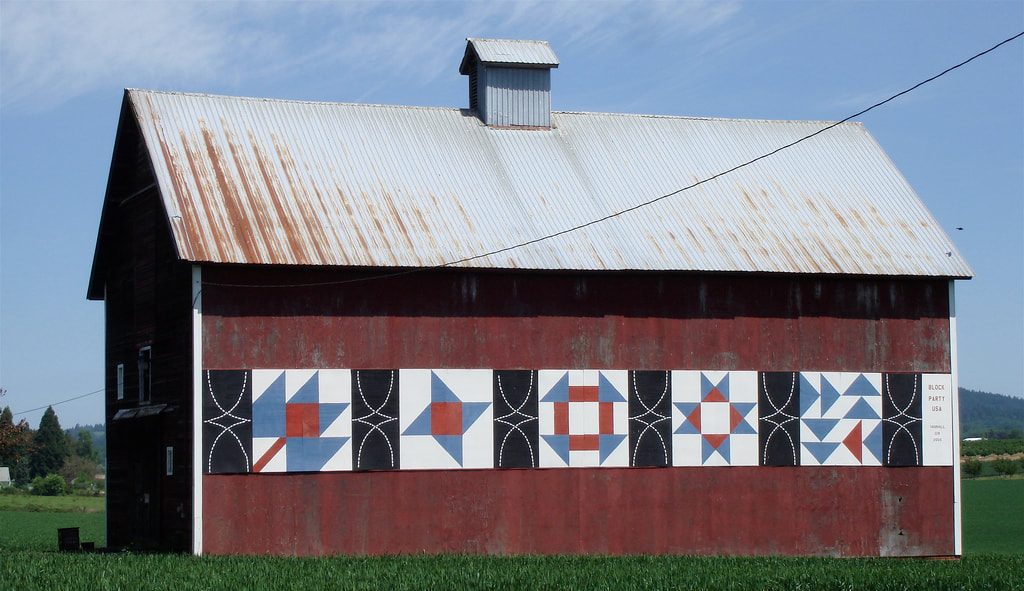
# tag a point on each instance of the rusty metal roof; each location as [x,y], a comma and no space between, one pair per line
[263,181]
[509,52]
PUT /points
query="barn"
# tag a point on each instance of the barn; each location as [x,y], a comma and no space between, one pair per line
[336,328]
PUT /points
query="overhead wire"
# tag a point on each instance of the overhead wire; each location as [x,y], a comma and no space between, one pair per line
[593,221]
[633,207]
[22,412]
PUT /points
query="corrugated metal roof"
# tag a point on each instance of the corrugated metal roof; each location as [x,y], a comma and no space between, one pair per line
[285,182]
[512,51]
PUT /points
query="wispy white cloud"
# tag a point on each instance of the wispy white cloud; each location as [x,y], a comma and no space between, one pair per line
[54,51]
[51,52]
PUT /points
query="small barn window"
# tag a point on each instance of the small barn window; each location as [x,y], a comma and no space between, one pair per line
[120,381]
[170,461]
[145,374]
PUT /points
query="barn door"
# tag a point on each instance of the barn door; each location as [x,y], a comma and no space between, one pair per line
[147,466]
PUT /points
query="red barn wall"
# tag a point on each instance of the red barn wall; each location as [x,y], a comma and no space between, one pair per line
[507,320]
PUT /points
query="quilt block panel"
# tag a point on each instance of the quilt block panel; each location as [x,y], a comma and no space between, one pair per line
[714,418]
[583,418]
[840,419]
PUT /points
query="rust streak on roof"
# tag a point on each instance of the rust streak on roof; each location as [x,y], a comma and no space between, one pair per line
[387,186]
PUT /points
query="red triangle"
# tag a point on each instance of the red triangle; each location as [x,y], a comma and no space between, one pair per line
[735,418]
[695,417]
[855,442]
[715,395]
[715,440]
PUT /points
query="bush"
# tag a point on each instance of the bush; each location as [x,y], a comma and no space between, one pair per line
[971,468]
[11,490]
[1005,467]
[50,485]
[991,447]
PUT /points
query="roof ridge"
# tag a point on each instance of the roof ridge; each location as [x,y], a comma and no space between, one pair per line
[508,40]
[460,109]
[259,99]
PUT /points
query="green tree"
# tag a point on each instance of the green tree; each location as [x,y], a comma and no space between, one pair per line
[84,448]
[15,446]
[51,446]
[971,468]
[80,474]
[1005,467]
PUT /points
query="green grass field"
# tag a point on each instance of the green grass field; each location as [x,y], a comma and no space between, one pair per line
[993,543]
[993,516]
[48,570]
[37,530]
[72,504]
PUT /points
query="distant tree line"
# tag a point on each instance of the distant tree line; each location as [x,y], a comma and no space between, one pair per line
[993,416]
[49,458]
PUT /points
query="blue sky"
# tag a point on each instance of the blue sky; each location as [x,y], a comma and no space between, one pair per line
[63,67]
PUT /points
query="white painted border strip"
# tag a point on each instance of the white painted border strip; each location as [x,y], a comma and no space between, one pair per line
[955,385]
[197,410]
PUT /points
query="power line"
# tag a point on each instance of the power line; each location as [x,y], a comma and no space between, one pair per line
[61,402]
[649,201]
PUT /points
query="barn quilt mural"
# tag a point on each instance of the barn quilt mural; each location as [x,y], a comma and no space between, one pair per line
[840,419]
[715,418]
[313,420]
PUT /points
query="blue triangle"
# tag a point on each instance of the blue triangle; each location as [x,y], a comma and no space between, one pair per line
[706,386]
[706,450]
[862,410]
[821,427]
[873,441]
[608,444]
[308,392]
[451,444]
[471,411]
[420,425]
[744,427]
[862,386]
[329,412]
[559,393]
[606,392]
[808,395]
[687,427]
[820,451]
[439,391]
[559,443]
[829,395]
[309,454]
[268,416]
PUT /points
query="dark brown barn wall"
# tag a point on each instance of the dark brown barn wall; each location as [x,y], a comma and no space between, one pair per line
[147,302]
[499,320]
[737,511]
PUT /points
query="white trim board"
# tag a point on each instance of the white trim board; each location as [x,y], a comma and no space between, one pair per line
[197,410]
[955,386]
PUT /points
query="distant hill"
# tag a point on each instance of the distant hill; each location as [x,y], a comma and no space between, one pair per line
[990,415]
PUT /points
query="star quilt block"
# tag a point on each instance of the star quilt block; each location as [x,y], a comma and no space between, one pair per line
[714,418]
